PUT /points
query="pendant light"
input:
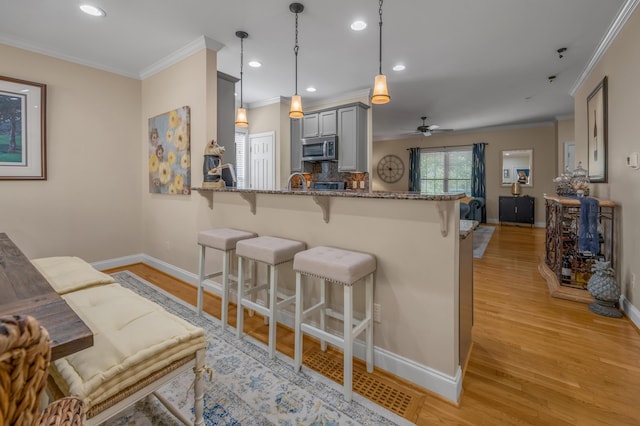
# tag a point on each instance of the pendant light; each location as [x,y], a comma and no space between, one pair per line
[296,100]
[241,116]
[380,91]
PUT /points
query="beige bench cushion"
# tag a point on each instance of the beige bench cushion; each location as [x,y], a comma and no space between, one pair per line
[66,273]
[133,337]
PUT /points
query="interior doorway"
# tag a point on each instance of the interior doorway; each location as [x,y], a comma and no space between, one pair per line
[262,159]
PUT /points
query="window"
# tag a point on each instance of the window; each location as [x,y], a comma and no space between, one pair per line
[241,158]
[446,170]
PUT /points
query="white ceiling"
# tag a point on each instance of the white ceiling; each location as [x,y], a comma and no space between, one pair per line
[470,64]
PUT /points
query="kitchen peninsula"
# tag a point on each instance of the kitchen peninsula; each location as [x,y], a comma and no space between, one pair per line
[416,240]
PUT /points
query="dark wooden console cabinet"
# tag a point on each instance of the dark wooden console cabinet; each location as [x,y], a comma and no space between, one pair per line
[516,209]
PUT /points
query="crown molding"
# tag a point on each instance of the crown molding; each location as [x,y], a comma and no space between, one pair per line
[202,42]
[618,23]
[564,117]
[363,93]
[21,44]
[267,102]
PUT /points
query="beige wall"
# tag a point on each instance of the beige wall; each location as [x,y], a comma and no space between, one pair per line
[621,64]
[171,222]
[541,139]
[274,118]
[90,205]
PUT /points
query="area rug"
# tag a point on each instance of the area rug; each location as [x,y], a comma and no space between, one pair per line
[481,237]
[247,387]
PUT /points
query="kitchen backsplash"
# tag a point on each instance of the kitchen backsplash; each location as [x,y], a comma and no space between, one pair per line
[327,171]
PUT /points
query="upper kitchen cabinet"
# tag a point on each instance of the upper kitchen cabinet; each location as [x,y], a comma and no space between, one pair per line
[352,138]
[319,124]
[296,145]
[226,135]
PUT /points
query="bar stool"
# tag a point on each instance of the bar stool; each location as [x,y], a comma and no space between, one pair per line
[341,267]
[271,251]
[224,240]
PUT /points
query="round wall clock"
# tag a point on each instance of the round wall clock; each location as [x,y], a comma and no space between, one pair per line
[390,168]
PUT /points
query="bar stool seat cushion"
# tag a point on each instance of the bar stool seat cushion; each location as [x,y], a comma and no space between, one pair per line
[269,250]
[333,264]
[223,238]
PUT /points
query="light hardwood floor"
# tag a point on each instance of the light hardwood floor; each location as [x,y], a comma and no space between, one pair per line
[535,359]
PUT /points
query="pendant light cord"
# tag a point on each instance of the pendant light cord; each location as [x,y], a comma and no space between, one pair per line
[241,63]
[380,44]
[295,51]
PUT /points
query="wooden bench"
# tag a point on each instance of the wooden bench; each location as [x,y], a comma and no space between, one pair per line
[138,346]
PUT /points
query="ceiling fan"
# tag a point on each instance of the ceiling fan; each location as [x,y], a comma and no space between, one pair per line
[432,129]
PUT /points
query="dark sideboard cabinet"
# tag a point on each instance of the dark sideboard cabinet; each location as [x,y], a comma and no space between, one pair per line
[516,209]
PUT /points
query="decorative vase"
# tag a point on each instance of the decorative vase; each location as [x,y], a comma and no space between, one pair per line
[515,189]
[603,287]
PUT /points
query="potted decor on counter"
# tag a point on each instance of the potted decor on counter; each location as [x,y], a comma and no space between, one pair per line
[603,287]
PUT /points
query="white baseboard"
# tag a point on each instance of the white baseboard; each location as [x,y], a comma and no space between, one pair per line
[448,387]
[632,312]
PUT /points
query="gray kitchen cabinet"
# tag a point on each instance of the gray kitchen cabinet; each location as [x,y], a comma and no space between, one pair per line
[296,145]
[352,138]
[310,126]
[328,124]
[321,123]
[226,135]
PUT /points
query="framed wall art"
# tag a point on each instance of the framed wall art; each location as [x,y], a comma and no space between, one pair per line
[169,152]
[22,129]
[597,133]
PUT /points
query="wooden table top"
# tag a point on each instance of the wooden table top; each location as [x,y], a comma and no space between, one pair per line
[24,291]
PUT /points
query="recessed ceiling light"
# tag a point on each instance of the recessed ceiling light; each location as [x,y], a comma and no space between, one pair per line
[255,64]
[311,89]
[92,10]
[358,25]
[399,67]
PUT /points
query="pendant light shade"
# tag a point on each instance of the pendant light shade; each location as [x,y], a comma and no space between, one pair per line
[296,107]
[296,100]
[241,118]
[241,115]
[380,90]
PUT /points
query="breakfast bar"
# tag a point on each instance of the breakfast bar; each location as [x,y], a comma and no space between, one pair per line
[417,242]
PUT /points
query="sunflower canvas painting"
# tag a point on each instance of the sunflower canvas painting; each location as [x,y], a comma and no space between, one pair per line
[169,153]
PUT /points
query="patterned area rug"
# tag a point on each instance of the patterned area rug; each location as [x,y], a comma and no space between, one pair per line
[481,237]
[247,388]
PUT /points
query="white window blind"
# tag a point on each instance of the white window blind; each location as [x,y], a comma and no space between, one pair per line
[241,158]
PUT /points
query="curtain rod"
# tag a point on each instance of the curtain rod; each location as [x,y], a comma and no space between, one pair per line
[448,146]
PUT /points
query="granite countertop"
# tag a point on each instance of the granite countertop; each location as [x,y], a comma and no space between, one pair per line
[356,193]
[467,227]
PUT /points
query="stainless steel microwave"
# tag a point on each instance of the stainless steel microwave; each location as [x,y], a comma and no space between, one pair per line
[320,149]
